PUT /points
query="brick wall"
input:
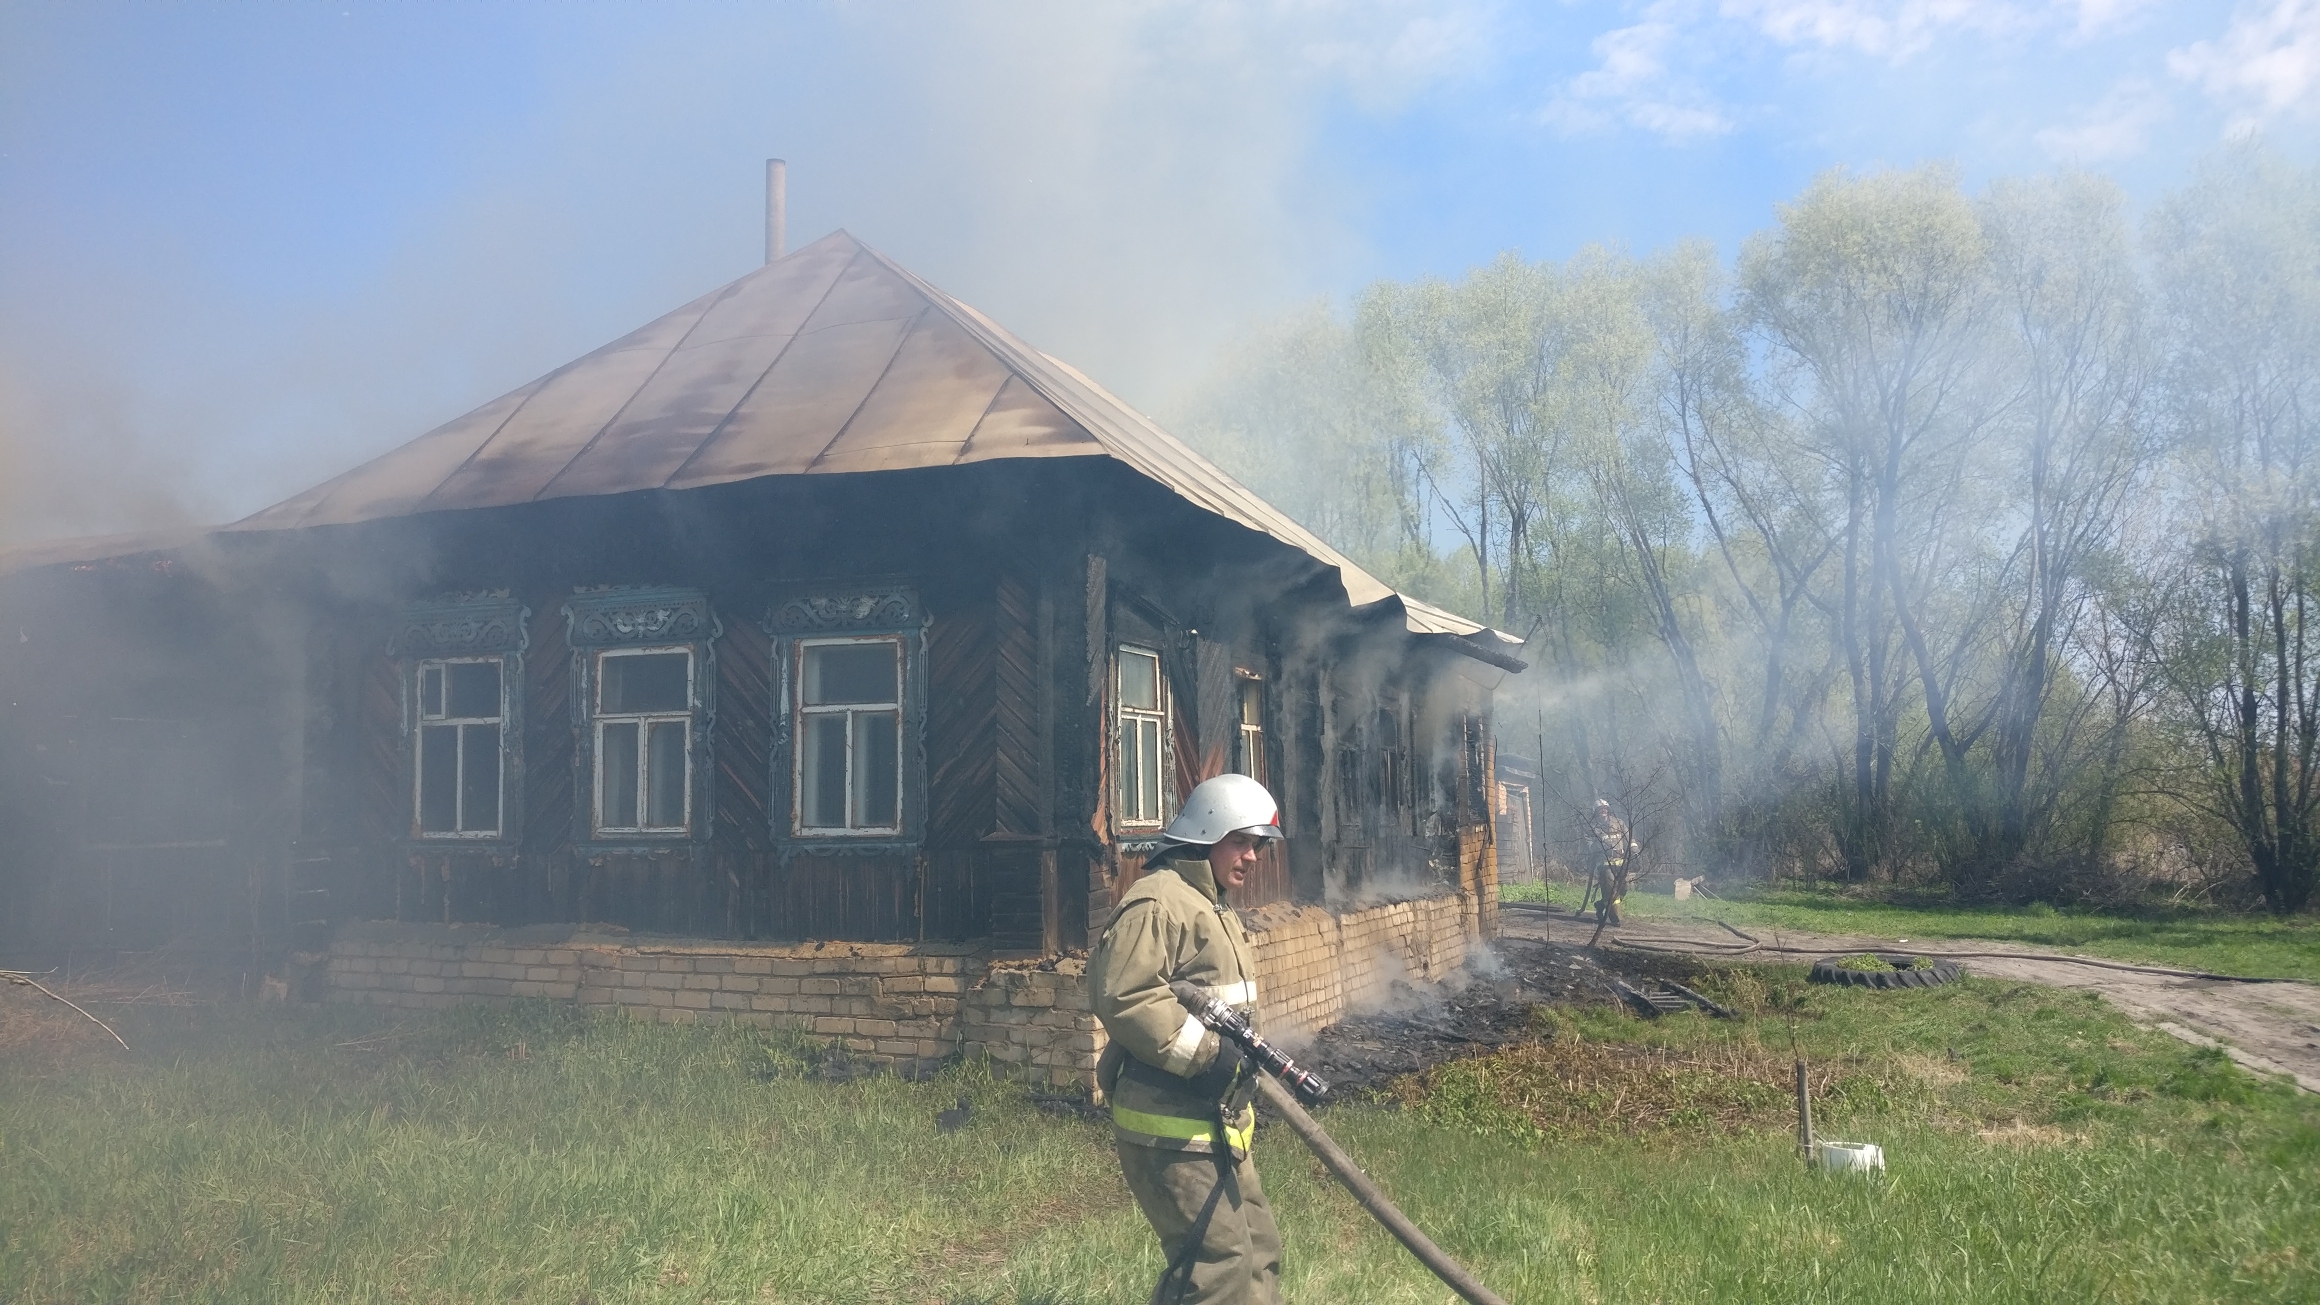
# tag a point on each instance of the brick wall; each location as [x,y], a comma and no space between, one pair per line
[894,1002]
[1314,965]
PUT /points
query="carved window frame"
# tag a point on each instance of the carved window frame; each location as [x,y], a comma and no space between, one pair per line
[467,627]
[1156,719]
[1249,755]
[634,620]
[885,612]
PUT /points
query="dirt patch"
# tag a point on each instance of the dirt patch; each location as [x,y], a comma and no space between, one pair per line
[1932,1071]
[2028,1137]
[2272,1028]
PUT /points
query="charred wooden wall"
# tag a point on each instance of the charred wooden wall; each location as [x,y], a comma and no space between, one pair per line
[1026,577]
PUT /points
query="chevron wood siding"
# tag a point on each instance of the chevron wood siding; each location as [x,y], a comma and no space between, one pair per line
[548,763]
[1015,711]
[742,736]
[961,727]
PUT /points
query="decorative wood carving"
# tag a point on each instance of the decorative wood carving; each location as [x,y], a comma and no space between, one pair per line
[610,618]
[844,613]
[462,625]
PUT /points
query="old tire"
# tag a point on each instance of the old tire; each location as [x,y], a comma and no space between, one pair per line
[1902,975]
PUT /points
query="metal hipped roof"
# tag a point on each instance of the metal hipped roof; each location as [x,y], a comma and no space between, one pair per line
[831,359]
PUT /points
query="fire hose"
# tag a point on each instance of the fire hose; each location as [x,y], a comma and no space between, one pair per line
[1278,1069]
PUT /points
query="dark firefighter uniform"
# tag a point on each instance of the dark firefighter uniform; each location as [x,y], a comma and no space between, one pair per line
[1181,1112]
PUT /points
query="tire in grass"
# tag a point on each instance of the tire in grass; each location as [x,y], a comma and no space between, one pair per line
[1903,970]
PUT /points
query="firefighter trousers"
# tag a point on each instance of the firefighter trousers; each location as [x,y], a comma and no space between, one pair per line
[1238,1258]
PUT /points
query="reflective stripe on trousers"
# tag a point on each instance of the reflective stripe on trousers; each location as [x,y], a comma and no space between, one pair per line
[1177,1128]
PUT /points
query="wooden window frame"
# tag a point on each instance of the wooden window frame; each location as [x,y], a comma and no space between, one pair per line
[801,713]
[421,722]
[1249,736]
[1157,718]
[598,718]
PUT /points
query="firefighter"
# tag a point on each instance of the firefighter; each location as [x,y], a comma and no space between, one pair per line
[1180,1096]
[1618,852]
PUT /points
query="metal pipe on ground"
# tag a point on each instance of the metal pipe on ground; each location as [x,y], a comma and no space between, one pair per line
[1279,1099]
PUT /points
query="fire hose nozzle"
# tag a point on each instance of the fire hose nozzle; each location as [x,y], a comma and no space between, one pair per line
[1230,1023]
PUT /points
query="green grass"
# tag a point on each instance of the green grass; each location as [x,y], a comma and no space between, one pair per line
[533,1154]
[2254,945]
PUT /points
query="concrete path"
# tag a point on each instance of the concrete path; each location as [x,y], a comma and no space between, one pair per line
[2272,1028]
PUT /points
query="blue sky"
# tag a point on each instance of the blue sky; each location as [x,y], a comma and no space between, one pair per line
[243,246]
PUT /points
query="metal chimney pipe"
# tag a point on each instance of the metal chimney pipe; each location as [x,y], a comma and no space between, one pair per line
[776,208]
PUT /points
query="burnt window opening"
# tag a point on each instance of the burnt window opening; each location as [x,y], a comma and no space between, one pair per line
[1394,780]
[1140,737]
[644,735]
[849,752]
[1249,739]
[459,765]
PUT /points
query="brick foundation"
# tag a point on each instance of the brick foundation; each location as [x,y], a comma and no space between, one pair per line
[899,1003]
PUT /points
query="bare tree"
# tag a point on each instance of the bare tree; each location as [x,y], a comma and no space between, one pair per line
[2239,267]
[1872,295]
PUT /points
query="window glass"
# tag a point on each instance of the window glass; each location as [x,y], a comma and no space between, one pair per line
[1249,747]
[616,756]
[1139,725]
[839,673]
[665,773]
[634,683]
[458,752]
[479,776]
[849,758]
[1140,680]
[876,771]
[439,778]
[473,690]
[822,801]
[644,741]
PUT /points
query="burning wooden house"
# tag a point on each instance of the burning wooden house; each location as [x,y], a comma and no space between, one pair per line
[819,645]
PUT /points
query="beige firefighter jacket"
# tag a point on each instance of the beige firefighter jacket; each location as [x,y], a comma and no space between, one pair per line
[1171,926]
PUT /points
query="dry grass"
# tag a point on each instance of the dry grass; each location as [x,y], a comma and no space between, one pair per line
[37,1028]
[2027,1137]
[1574,1087]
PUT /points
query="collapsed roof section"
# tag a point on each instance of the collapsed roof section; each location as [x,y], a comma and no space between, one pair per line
[831,359]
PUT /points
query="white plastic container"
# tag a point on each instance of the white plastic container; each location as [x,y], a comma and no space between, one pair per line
[1851,1157]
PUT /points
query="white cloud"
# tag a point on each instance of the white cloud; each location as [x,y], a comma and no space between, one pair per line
[2117,126]
[2095,17]
[2266,64]
[1631,85]
[1885,29]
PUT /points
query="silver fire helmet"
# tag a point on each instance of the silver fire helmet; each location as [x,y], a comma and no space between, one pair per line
[1221,806]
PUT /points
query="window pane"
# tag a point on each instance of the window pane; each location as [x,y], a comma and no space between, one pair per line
[850,672]
[876,770]
[1148,764]
[822,803]
[664,774]
[473,690]
[1251,761]
[438,779]
[1131,779]
[479,776]
[616,763]
[1140,681]
[431,692]
[1252,702]
[640,682]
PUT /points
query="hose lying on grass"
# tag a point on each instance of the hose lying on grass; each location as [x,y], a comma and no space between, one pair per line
[1683,947]
[1278,1099]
